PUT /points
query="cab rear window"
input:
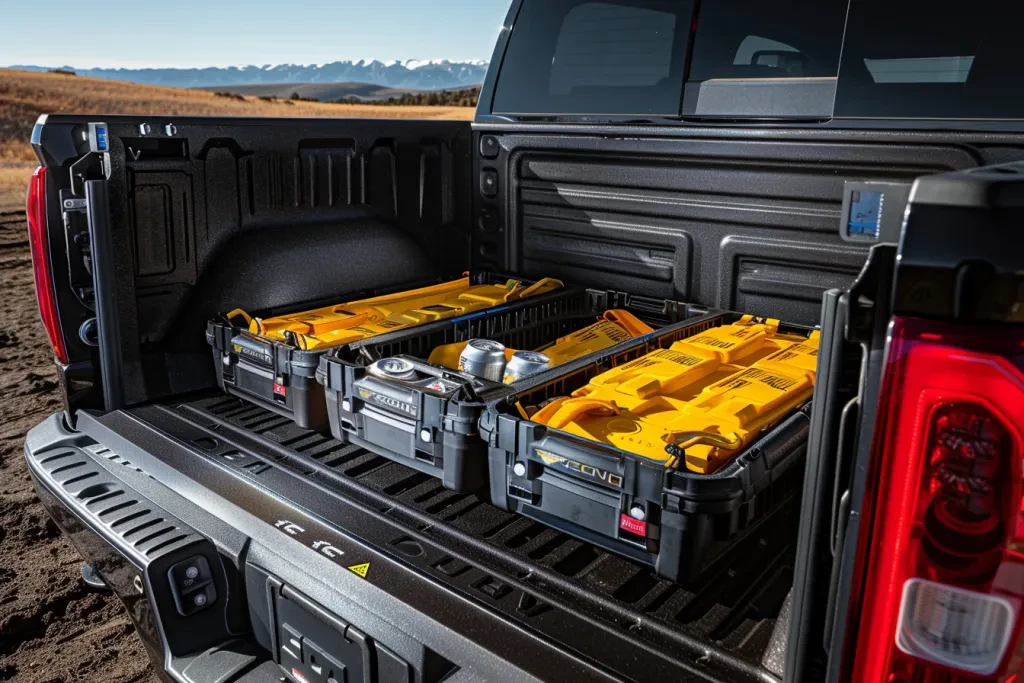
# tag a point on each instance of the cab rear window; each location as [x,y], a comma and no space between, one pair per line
[935,59]
[765,59]
[595,57]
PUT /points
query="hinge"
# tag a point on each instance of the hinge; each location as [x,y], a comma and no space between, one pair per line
[74,213]
[94,164]
[870,293]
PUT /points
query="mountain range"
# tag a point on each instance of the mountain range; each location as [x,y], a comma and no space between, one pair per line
[410,74]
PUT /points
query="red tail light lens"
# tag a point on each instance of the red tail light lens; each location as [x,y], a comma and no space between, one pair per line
[40,246]
[943,564]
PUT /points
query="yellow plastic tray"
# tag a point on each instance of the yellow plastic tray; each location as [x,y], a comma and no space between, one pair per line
[712,394]
[355,320]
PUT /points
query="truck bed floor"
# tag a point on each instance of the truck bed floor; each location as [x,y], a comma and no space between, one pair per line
[732,608]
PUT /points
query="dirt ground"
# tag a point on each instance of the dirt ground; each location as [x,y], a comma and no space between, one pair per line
[52,628]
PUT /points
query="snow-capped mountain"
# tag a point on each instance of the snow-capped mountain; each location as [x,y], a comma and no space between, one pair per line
[411,73]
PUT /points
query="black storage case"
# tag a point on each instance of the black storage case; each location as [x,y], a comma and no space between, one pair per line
[282,377]
[587,489]
[437,431]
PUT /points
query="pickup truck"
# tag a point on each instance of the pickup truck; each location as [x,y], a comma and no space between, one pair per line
[733,156]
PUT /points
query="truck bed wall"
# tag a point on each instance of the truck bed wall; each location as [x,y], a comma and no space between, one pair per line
[257,214]
[742,219]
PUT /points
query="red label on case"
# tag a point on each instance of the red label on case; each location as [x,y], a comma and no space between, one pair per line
[633,526]
[279,389]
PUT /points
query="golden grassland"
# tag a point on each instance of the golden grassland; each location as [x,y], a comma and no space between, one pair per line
[24,96]
[13,185]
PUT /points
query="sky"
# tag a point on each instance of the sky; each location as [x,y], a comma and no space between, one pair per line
[195,33]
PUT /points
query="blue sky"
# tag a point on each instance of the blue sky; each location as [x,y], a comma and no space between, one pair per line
[190,33]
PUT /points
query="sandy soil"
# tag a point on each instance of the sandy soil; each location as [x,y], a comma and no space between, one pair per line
[52,628]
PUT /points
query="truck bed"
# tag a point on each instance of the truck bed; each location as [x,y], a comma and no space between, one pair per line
[519,581]
[721,217]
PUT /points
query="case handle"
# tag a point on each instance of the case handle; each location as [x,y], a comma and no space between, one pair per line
[564,412]
[730,443]
[539,287]
[627,321]
[238,312]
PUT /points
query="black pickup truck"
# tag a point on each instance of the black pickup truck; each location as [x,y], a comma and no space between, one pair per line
[842,164]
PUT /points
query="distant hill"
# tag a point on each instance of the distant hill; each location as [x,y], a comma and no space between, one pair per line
[409,75]
[464,97]
[322,92]
[354,92]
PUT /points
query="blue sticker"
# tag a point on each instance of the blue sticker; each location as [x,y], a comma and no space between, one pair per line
[101,138]
[865,219]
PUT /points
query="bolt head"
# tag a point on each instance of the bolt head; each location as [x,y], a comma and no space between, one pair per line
[191,572]
[346,405]
[519,469]
[199,600]
[145,129]
[170,129]
[426,436]
[637,512]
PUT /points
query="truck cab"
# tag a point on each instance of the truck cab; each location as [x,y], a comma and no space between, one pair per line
[853,167]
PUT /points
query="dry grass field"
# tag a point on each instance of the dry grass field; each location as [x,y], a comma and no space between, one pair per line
[13,184]
[25,95]
[52,628]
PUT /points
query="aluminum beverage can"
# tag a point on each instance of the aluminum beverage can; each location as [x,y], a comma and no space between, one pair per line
[483,358]
[393,368]
[524,364]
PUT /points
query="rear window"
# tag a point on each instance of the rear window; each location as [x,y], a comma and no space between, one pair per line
[935,59]
[765,58]
[595,57]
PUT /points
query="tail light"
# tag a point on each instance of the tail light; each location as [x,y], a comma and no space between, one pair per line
[943,564]
[39,243]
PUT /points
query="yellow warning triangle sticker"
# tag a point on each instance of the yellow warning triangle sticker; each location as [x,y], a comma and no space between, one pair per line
[361,569]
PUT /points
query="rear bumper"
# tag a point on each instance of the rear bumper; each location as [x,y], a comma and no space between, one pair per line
[101,503]
[135,513]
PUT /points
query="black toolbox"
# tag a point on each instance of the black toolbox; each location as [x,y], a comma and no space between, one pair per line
[280,376]
[675,520]
[431,423]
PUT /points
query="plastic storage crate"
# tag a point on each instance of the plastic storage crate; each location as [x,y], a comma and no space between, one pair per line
[279,375]
[434,428]
[675,520]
